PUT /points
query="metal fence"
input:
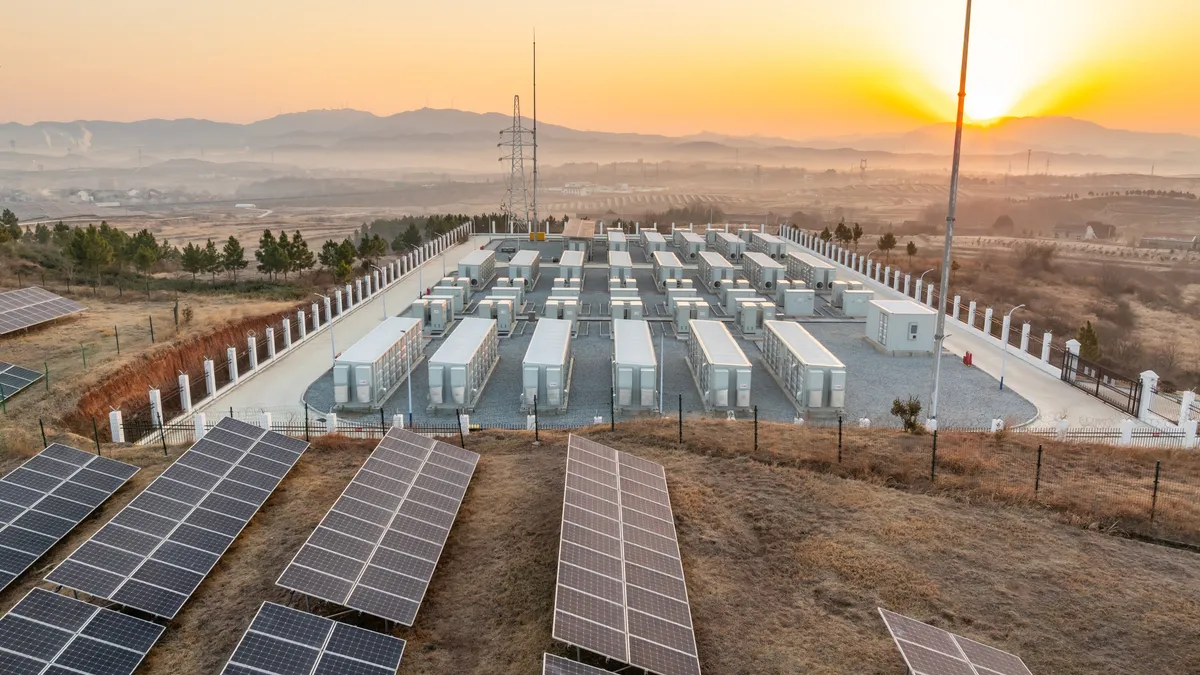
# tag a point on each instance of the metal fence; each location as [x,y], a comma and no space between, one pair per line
[1121,392]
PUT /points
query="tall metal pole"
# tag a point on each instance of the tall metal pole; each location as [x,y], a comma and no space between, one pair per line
[662,358]
[940,334]
[535,168]
[1004,356]
[408,353]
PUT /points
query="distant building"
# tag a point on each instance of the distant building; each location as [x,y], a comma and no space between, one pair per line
[1089,231]
[1173,242]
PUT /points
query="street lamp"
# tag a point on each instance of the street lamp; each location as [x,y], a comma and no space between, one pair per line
[382,293]
[922,277]
[1004,357]
[332,344]
[868,270]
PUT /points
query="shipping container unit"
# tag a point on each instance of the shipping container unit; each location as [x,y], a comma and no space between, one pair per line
[813,378]
[526,265]
[436,314]
[635,367]
[618,283]
[900,327]
[719,366]
[460,368]
[752,313]
[710,235]
[818,274]
[674,295]
[690,245]
[620,265]
[570,266]
[561,308]
[479,267]
[685,310]
[667,268]
[714,270]
[617,241]
[856,303]
[774,247]
[502,309]
[763,272]
[799,302]
[733,295]
[367,373]
[627,308]
[729,246]
[653,241]
[677,239]
[546,371]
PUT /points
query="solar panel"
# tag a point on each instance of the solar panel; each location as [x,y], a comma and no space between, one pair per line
[53,634]
[46,497]
[621,591]
[14,378]
[154,553]
[377,547]
[286,641]
[27,307]
[932,651]
[557,665]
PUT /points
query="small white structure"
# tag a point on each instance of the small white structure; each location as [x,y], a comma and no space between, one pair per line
[635,368]
[667,268]
[437,314]
[460,368]
[809,373]
[653,241]
[799,302]
[546,371]
[502,309]
[714,270]
[689,244]
[900,327]
[526,265]
[617,241]
[818,274]
[855,303]
[570,265]
[620,265]
[774,247]
[719,366]
[763,272]
[478,266]
[369,371]
[729,245]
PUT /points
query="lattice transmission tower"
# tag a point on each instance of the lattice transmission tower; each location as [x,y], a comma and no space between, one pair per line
[514,140]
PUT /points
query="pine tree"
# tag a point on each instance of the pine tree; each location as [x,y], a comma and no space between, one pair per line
[911,250]
[826,235]
[266,248]
[855,235]
[90,250]
[233,257]
[211,259]
[300,257]
[1089,342]
[886,243]
[192,260]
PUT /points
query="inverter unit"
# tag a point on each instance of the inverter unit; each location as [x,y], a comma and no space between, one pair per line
[714,270]
[719,366]
[674,295]
[751,313]
[502,309]
[617,241]
[367,373]
[773,247]
[735,285]
[526,265]
[437,314]
[547,366]
[620,265]
[818,274]
[667,268]
[561,308]
[566,283]
[517,293]
[635,367]
[502,282]
[653,241]
[458,293]
[685,310]
[564,293]
[782,286]
[763,272]
[799,302]
[570,266]
[811,375]
[629,309]
[690,245]
[733,295]
[744,234]
[479,267]
[837,288]
[580,245]
[618,282]
[729,245]
[460,368]
[856,303]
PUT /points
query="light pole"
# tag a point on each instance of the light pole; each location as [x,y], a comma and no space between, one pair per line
[408,353]
[382,292]
[332,344]
[1004,356]
[922,277]
[868,271]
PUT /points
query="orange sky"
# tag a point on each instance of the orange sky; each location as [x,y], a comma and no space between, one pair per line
[793,68]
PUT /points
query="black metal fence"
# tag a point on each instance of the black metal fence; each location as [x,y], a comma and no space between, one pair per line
[1121,392]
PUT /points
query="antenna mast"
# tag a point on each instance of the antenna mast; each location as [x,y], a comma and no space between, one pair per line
[535,168]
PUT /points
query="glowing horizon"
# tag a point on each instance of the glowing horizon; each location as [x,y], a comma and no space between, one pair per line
[798,69]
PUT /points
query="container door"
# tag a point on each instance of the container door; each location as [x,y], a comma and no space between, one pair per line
[363,382]
[529,384]
[341,383]
[837,390]
[720,387]
[743,388]
[435,384]
[624,385]
[647,387]
[554,382]
[458,384]
[815,383]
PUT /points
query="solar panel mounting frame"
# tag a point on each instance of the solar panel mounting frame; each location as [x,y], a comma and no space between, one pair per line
[960,654]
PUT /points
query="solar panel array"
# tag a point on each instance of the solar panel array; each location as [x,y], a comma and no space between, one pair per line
[56,635]
[14,378]
[27,307]
[286,641]
[621,591]
[46,497]
[557,665]
[932,651]
[154,553]
[377,547]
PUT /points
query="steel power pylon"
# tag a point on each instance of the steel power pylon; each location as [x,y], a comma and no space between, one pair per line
[516,198]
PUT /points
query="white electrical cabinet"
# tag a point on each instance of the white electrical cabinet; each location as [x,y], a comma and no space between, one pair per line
[685,310]
[799,302]
[719,366]
[458,293]
[526,265]
[856,303]
[546,370]
[478,266]
[690,245]
[674,295]
[763,272]
[667,268]
[561,308]
[620,283]
[714,270]
[570,265]
[620,265]
[370,371]
[729,245]
[653,241]
[901,327]
[733,295]
[635,368]
[517,293]
[818,274]
[502,309]
[627,308]
[774,247]
[437,314]
[460,368]
[751,313]
[811,375]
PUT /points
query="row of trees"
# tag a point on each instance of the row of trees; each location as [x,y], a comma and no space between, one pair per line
[208,260]
[846,236]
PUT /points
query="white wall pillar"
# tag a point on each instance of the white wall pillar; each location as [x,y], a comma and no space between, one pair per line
[907,283]
[231,357]
[287,334]
[358,286]
[156,411]
[1025,338]
[987,321]
[1073,349]
[331,423]
[301,325]
[1005,327]
[917,288]
[316,317]
[264,421]
[971,314]
[1046,339]
[210,377]
[398,421]
[349,296]
[200,422]
[117,425]
[328,310]
[929,294]
[1126,433]
[1149,385]
[957,305]
[338,300]
[1189,434]
[1185,406]
[185,393]
[270,338]
[252,352]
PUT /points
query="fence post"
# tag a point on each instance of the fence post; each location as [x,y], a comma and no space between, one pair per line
[116,426]
[331,423]
[306,438]
[231,357]
[612,410]
[1037,475]
[199,422]
[756,428]
[151,329]
[933,459]
[46,366]
[83,354]
[210,377]
[1047,337]
[117,337]
[1154,495]
[537,422]
[162,434]
[383,424]
[839,438]
[681,418]
[252,352]
[462,440]
[185,393]
[156,409]
[43,428]
[96,436]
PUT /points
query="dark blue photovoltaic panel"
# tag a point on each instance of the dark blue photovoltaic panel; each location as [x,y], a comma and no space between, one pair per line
[27,307]
[155,553]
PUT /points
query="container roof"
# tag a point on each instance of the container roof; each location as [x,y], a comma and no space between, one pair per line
[801,343]
[579,229]
[667,259]
[902,307]
[715,259]
[464,341]
[762,259]
[381,338]
[718,344]
[550,344]
[619,258]
[811,261]
[616,236]
[477,257]
[632,344]
[571,258]
[526,257]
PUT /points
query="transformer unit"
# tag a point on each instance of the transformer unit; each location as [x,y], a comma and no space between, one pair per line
[627,308]
[732,296]
[900,327]
[799,302]
[502,309]
[855,303]
[710,235]
[457,293]
[735,285]
[836,290]
[774,247]
[719,366]
[715,271]
[517,293]
[567,283]
[653,241]
[635,368]
[674,295]
[460,368]
[752,313]
[367,373]
[447,282]
[667,268]
[763,272]
[729,245]
[744,233]
[526,265]
[685,310]
[617,241]
[818,274]
[546,371]
[478,266]
[436,314]
[561,308]
[618,282]
[689,245]
[581,245]
[811,375]
[570,265]
[620,265]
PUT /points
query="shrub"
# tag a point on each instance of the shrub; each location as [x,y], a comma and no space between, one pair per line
[908,412]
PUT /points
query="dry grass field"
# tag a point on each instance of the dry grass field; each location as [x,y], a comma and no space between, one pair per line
[785,567]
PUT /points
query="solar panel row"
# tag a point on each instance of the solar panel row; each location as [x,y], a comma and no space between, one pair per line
[14,378]
[377,547]
[929,650]
[286,641]
[154,553]
[48,633]
[557,665]
[46,497]
[27,307]
[621,591]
